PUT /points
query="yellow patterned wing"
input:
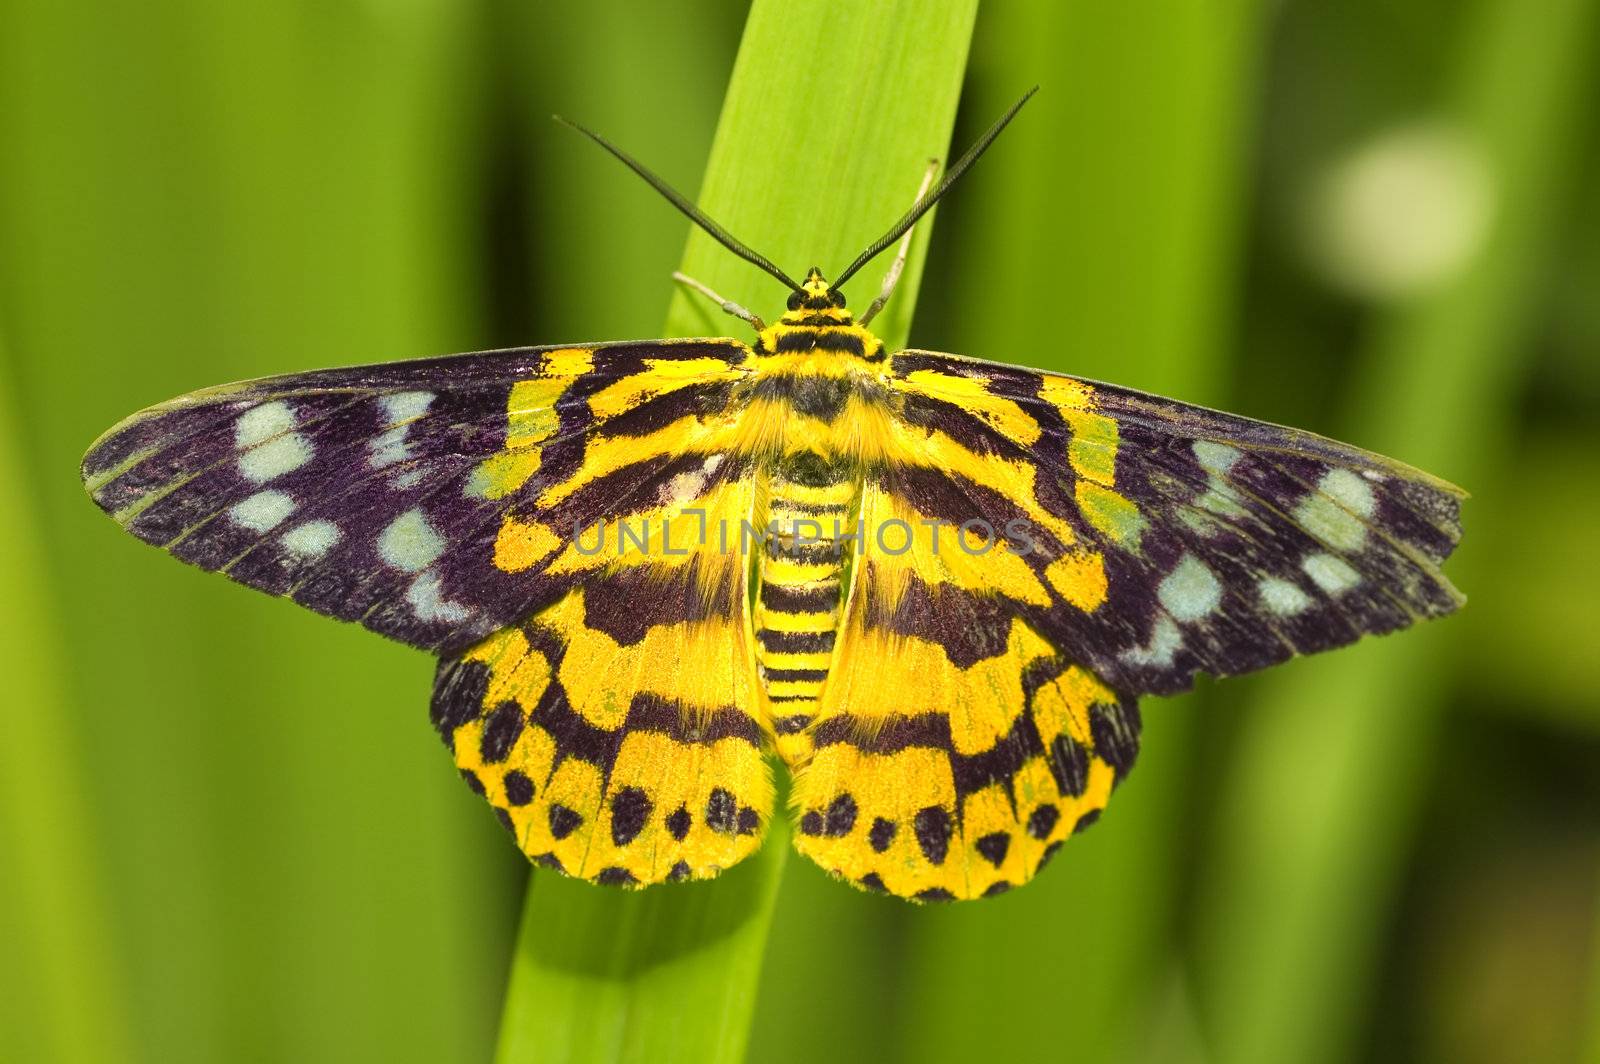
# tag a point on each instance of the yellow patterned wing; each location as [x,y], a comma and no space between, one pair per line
[616,747]
[954,748]
[617,730]
[1033,553]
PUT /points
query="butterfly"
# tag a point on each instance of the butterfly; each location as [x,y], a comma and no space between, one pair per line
[933,587]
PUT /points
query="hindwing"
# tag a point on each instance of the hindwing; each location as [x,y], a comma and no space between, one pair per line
[955,748]
[615,732]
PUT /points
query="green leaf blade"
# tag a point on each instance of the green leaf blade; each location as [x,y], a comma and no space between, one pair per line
[825,135]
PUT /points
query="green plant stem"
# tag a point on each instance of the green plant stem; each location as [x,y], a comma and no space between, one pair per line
[824,136]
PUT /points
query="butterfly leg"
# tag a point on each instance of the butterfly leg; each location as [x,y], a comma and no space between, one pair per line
[728,306]
[892,278]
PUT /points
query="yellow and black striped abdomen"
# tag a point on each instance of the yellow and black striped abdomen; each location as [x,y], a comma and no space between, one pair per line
[809,514]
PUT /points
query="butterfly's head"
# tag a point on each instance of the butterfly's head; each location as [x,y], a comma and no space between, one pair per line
[816,298]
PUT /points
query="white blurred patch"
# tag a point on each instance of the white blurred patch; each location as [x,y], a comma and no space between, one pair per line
[1331,574]
[1401,213]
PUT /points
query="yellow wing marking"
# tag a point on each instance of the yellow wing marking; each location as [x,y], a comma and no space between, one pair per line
[974,397]
[1092,454]
[932,553]
[530,420]
[660,376]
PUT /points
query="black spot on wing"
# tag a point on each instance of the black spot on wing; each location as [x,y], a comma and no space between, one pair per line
[562,821]
[519,788]
[933,827]
[722,812]
[1042,821]
[993,846]
[1115,731]
[500,732]
[630,809]
[882,834]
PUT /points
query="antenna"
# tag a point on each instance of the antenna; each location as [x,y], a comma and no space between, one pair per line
[680,201]
[923,205]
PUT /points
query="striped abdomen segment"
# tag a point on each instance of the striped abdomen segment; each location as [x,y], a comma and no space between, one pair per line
[798,600]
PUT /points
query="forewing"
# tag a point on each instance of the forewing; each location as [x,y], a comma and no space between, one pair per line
[1174,539]
[428,500]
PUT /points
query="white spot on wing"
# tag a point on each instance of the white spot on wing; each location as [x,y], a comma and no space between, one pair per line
[262,423]
[1282,597]
[269,445]
[312,539]
[1220,499]
[399,410]
[388,447]
[410,542]
[283,454]
[263,511]
[683,488]
[1165,639]
[1336,512]
[1215,458]
[1190,591]
[1351,492]
[428,606]
[1223,501]
[406,406]
[1331,574]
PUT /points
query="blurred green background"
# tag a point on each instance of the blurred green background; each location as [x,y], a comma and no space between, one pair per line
[228,832]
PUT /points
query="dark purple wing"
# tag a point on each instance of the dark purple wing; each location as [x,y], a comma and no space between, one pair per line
[1195,540]
[380,494]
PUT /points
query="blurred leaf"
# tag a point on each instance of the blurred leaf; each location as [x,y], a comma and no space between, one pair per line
[1315,812]
[1103,240]
[1541,588]
[60,956]
[194,193]
[806,173]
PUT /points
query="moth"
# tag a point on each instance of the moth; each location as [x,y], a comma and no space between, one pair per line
[933,587]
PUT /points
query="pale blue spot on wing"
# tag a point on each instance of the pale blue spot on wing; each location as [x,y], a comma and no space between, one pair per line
[410,543]
[263,511]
